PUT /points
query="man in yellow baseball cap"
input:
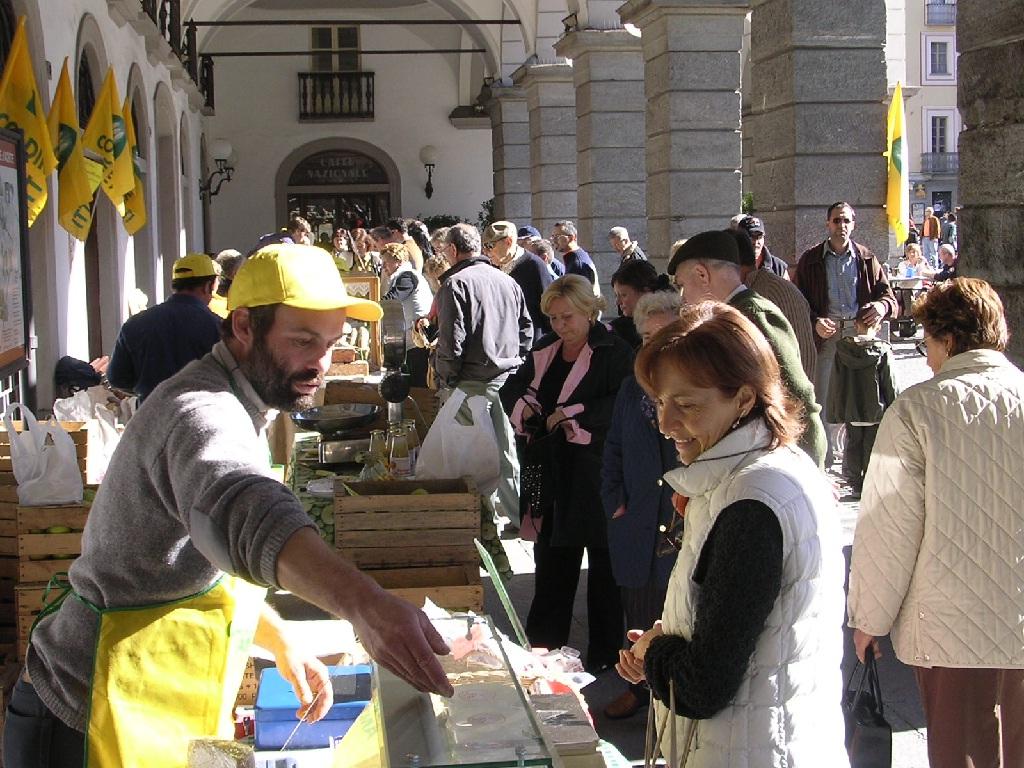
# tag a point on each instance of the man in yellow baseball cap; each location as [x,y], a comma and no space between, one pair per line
[155,344]
[189,529]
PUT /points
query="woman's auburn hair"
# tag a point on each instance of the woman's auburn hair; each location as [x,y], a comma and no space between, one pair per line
[577,291]
[715,346]
[965,310]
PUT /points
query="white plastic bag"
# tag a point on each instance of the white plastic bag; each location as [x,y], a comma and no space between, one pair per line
[102,443]
[44,461]
[452,449]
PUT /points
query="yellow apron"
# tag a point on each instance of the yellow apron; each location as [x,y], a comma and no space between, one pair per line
[167,673]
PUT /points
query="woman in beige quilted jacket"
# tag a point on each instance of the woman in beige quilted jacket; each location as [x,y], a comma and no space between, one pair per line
[939,543]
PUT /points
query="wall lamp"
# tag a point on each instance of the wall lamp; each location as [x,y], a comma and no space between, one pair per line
[428,156]
[221,152]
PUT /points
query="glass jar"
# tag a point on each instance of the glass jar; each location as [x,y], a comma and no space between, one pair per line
[401,458]
[378,445]
[414,439]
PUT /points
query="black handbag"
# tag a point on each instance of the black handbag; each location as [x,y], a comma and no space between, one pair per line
[868,735]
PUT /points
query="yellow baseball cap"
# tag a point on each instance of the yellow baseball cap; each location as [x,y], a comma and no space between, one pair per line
[194,265]
[302,276]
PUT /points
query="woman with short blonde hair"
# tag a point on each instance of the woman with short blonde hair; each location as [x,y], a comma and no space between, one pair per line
[578,292]
[560,403]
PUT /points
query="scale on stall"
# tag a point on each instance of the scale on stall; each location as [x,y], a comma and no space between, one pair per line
[343,427]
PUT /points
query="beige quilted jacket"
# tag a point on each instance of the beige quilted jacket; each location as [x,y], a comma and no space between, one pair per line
[938,554]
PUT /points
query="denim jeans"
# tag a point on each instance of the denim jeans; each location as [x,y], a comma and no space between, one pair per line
[34,737]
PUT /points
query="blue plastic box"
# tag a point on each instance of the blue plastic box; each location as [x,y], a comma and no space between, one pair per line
[276,704]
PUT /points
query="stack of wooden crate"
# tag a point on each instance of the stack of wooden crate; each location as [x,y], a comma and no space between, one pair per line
[414,537]
[35,543]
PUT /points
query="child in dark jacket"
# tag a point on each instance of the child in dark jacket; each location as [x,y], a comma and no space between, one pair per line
[861,388]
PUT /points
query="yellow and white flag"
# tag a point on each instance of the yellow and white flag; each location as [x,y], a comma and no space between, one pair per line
[22,108]
[134,213]
[897,199]
[74,193]
[105,138]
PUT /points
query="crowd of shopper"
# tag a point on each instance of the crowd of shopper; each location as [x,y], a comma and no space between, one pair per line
[680,439]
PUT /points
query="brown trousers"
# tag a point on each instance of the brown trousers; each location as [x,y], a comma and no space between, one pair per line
[975,716]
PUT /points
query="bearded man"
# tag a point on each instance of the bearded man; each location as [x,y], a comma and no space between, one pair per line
[144,649]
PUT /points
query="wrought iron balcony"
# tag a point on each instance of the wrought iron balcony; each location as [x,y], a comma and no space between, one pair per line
[940,13]
[940,162]
[335,95]
[166,17]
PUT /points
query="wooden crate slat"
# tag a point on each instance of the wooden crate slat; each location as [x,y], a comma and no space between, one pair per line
[9,568]
[398,521]
[6,464]
[451,537]
[9,509]
[49,544]
[404,488]
[446,575]
[464,598]
[397,557]
[9,494]
[8,546]
[8,527]
[79,431]
[41,570]
[35,518]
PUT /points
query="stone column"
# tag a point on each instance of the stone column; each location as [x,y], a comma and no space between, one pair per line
[608,71]
[990,40]
[550,100]
[819,87]
[691,54]
[510,142]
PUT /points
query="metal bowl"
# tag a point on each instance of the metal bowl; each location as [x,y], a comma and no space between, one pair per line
[338,417]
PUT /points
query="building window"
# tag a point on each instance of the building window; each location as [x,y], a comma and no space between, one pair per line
[938,58]
[939,54]
[940,133]
[339,48]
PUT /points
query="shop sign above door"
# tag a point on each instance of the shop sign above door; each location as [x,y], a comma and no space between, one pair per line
[337,168]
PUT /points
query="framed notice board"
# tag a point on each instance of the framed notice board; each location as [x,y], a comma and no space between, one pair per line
[366,286]
[14,267]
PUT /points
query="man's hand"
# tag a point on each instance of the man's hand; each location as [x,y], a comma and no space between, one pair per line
[395,634]
[307,675]
[862,641]
[401,638]
[825,327]
[631,662]
[873,312]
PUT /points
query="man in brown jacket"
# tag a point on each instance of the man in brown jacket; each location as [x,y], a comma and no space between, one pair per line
[839,278]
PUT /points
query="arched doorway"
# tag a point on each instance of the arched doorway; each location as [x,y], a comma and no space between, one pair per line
[86,93]
[339,183]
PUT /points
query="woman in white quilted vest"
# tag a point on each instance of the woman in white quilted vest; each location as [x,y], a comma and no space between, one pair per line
[939,543]
[750,643]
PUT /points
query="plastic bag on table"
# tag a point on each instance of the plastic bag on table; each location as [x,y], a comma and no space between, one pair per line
[454,448]
[44,461]
[106,439]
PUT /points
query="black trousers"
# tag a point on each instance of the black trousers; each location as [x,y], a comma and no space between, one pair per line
[643,606]
[859,443]
[34,737]
[556,577]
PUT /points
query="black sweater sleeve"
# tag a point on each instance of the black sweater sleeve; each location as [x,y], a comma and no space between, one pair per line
[740,574]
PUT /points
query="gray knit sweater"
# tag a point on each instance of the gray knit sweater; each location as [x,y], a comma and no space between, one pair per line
[187,496]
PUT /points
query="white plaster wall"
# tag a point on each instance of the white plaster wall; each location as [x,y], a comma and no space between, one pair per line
[257,111]
[57,276]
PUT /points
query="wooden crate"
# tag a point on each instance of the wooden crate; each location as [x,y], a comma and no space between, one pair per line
[29,601]
[77,429]
[386,525]
[455,587]
[41,554]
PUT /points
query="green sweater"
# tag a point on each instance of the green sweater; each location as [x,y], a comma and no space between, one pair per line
[188,495]
[779,333]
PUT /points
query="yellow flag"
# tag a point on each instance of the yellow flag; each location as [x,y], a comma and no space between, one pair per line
[73,191]
[897,199]
[105,139]
[135,201]
[21,108]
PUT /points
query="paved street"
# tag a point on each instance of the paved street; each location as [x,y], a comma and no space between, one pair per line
[899,690]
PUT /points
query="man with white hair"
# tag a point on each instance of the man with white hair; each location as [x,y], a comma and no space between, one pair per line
[626,248]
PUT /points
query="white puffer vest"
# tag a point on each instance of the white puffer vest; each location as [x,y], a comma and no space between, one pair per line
[787,710]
